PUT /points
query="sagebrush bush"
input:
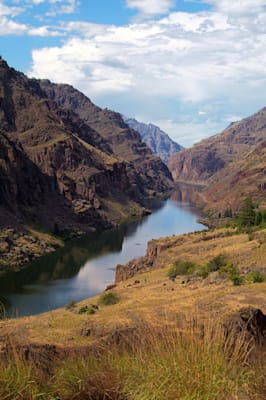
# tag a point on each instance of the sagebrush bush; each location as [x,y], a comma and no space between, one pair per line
[217,263]
[256,277]
[181,267]
[108,299]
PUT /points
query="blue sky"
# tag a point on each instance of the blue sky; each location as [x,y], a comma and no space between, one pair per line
[191,67]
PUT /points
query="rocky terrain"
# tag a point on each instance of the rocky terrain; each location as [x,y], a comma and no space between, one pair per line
[231,164]
[66,164]
[146,172]
[156,139]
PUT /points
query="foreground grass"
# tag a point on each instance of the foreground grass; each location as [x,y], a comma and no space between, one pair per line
[193,362]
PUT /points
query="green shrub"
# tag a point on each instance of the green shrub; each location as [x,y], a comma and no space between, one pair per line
[108,299]
[202,272]
[83,310]
[231,272]
[236,279]
[256,277]
[90,310]
[181,267]
[216,263]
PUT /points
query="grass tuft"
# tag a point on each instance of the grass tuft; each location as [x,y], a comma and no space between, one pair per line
[198,361]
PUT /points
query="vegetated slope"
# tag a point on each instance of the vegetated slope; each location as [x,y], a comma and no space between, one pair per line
[230,164]
[58,171]
[156,139]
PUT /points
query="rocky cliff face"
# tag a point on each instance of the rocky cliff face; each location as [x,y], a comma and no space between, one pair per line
[236,181]
[157,140]
[205,158]
[231,164]
[68,164]
[146,172]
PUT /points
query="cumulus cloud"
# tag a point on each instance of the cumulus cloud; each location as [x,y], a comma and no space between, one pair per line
[209,61]
[9,10]
[237,7]
[9,27]
[62,7]
[151,7]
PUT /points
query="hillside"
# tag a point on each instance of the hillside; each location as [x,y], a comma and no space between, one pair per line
[156,139]
[83,169]
[147,173]
[206,327]
[231,164]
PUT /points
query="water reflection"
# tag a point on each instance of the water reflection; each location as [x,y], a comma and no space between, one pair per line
[85,266]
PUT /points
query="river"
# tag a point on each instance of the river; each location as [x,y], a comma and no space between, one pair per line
[85,266]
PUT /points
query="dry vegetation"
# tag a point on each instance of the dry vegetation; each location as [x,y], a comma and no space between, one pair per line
[145,341]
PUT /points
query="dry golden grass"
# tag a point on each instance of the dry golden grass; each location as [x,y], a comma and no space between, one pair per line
[186,359]
[155,297]
[243,250]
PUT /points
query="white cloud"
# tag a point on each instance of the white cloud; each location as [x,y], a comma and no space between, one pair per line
[9,11]
[62,7]
[237,7]
[151,7]
[209,61]
[9,27]
[43,31]
[54,7]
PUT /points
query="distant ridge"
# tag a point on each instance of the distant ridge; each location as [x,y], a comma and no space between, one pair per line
[156,139]
[231,165]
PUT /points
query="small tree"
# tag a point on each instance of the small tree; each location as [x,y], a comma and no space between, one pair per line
[247,214]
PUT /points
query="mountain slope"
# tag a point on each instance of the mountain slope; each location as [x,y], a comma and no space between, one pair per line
[68,172]
[238,180]
[231,164]
[147,172]
[156,139]
[205,158]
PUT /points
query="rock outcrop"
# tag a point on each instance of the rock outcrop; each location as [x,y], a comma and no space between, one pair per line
[156,139]
[142,264]
[248,321]
[65,163]
[146,172]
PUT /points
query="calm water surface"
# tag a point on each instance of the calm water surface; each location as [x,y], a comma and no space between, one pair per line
[86,266]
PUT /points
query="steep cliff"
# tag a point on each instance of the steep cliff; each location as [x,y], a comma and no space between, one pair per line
[231,165]
[146,172]
[156,139]
[59,171]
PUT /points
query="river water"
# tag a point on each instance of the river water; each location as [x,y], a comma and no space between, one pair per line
[85,266]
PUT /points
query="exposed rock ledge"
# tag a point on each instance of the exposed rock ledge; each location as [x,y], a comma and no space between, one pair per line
[146,263]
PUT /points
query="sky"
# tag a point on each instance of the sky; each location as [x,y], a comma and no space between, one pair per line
[190,67]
